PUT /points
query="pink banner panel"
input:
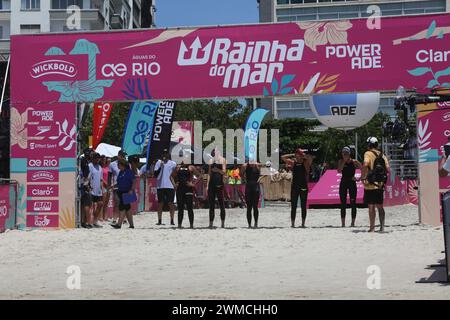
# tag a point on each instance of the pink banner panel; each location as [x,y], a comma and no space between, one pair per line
[252,60]
[151,201]
[4,206]
[42,190]
[43,206]
[42,221]
[42,176]
[326,191]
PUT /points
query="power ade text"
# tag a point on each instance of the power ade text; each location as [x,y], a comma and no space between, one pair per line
[164,115]
[363,56]
[343,110]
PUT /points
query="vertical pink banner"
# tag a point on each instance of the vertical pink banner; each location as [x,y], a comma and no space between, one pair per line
[151,203]
[4,206]
[43,158]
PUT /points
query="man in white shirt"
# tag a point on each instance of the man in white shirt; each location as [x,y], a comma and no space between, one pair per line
[444,168]
[165,185]
[96,181]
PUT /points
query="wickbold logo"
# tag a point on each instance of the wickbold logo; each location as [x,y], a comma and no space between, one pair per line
[73,91]
[52,67]
[42,175]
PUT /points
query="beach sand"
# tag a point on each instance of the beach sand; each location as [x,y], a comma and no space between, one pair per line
[323,261]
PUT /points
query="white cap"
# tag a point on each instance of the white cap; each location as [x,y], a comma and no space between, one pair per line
[372,140]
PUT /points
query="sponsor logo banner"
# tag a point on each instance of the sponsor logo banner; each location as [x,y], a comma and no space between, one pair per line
[162,130]
[258,60]
[251,133]
[42,206]
[42,176]
[102,111]
[42,221]
[42,190]
[139,124]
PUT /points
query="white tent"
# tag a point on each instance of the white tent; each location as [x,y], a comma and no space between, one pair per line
[107,150]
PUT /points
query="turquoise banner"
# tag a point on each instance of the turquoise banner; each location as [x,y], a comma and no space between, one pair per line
[251,133]
[139,124]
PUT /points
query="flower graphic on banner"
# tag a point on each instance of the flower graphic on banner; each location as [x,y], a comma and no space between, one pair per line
[19,132]
[65,138]
[280,87]
[423,137]
[321,33]
[316,84]
[436,75]
[79,91]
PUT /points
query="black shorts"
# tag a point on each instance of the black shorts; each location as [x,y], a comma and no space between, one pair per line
[122,206]
[375,196]
[86,200]
[165,195]
[96,199]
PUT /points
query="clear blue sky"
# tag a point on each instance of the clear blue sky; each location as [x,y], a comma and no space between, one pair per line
[179,13]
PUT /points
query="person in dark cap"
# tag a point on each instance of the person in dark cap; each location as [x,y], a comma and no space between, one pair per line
[347,167]
[300,166]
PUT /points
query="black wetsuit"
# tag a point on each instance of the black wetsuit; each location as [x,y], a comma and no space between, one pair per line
[216,188]
[299,188]
[252,192]
[185,194]
[348,183]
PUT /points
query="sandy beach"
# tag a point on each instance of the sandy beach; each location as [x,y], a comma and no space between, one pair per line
[323,261]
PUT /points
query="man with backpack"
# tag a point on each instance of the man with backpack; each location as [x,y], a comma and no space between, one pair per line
[374,175]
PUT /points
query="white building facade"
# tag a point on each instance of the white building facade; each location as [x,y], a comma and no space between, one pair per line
[33,16]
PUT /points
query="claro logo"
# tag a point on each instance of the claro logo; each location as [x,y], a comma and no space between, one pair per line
[42,175]
[49,67]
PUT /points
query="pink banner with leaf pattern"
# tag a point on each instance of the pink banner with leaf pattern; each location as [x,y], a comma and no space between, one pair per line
[252,60]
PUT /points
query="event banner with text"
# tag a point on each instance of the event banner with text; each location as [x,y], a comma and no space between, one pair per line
[433,132]
[252,60]
[43,161]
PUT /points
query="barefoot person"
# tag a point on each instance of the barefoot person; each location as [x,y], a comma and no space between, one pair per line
[374,176]
[252,173]
[215,186]
[125,185]
[183,176]
[300,166]
[347,167]
[163,170]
